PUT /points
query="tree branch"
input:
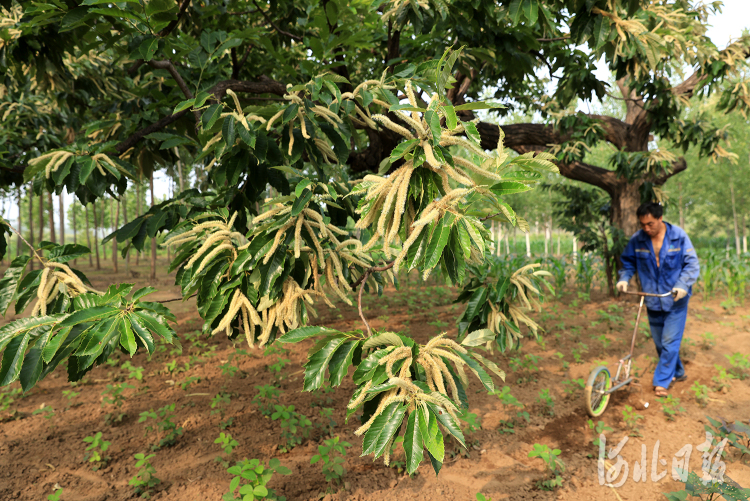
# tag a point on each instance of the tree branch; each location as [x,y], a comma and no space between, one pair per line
[678,166]
[264,85]
[268,19]
[131,141]
[166,31]
[167,65]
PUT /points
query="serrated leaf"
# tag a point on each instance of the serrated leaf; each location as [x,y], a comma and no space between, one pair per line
[89,315]
[341,361]
[413,444]
[509,188]
[9,283]
[402,149]
[451,121]
[382,429]
[13,357]
[301,202]
[384,339]
[302,333]
[127,338]
[318,361]
[478,337]
[438,241]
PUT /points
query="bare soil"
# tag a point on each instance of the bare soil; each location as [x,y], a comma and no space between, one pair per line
[38,455]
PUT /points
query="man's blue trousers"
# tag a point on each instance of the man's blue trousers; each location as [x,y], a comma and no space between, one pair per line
[667,328]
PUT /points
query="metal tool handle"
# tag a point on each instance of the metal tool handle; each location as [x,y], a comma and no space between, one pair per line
[648,294]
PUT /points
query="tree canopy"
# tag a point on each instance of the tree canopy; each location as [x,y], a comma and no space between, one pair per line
[286,109]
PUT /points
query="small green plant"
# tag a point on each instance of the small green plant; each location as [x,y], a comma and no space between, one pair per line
[144,480]
[599,428]
[6,398]
[250,480]
[333,465]
[167,428]
[294,426]
[473,422]
[574,386]
[554,464]
[226,423]
[630,417]
[219,403]
[707,341]
[95,452]
[701,393]
[482,497]
[671,407]
[70,395]
[188,381]
[55,496]
[266,399]
[114,397]
[737,434]
[133,372]
[278,366]
[510,404]
[227,443]
[722,379]
[604,340]
[740,365]
[228,369]
[546,402]
[328,424]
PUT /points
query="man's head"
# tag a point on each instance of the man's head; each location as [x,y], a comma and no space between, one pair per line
[650,217]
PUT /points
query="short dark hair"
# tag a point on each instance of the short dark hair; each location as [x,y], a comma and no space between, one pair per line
[652,208]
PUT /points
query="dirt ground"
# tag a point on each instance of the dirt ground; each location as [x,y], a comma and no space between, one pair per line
[39,454]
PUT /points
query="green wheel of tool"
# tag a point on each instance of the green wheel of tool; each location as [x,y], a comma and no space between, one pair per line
[596,397]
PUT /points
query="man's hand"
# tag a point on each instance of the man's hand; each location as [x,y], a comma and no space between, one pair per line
[622,286]
[679,293]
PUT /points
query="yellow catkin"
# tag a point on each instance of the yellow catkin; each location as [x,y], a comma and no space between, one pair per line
[274,118]
[291,138]
[303,125]
[298,236]
[393,126]
[277,240]
[429,155]
[211,255]
[361,397]
[316,242]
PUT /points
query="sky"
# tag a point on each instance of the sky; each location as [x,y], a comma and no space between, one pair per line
[735,17]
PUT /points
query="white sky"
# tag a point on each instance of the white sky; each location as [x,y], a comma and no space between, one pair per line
[735,17]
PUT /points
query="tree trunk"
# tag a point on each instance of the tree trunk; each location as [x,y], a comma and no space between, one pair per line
[20,226]
[528,245]
[682,207]
[41,218]
[125,221]
[558,243]
[575,251]
[608,263]
[31,224]
[114,240]
[61,205]
[53,239]
[153,240]
[88,236]
[744,232]
[734,219]
[499,238]
[102,225]
[179,170]
[138,212]
[625,201]
[96,241]
[75,227]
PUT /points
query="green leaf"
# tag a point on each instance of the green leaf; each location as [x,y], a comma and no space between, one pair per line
[406,107]
[438,241]
[478,337]
[368,366]
[431,436]
[13,358]
[148,48]
[515,12]
[210,116]
[246,135]
[448,423]
[509,188]
[413,444]
[402,149]
[188,103]
[478,371]
[478,105]
[272,271]
[153,325]
[127,338]
[451,121]
[89,315]
[289,113]
[32,368]
[382,429]
[302,333]
[433,120]
[318,361]
[228,131]
[301,202]
[341,361]
[531,11]
[446,70]
[9,283]
[476,301]
[301,187]
[143,291]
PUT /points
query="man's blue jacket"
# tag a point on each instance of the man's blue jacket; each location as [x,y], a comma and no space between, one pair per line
[678,266]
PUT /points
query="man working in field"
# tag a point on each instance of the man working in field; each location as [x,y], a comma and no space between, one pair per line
[665,260]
